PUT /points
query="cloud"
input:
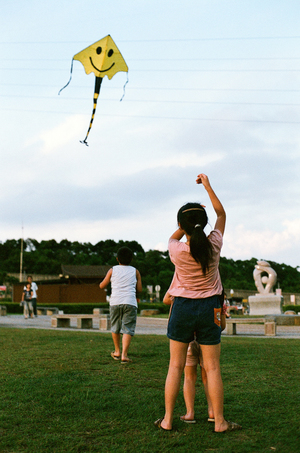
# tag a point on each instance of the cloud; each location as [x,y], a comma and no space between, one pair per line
[52,140]
[243,243]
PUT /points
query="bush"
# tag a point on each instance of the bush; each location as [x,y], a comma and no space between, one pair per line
[84,309]
[295,308]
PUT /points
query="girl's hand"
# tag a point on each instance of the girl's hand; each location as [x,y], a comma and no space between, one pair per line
[203,179]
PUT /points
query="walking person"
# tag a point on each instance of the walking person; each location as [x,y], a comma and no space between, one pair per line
[34,288]
[125,282]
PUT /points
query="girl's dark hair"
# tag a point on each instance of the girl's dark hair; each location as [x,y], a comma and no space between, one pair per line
[193,219]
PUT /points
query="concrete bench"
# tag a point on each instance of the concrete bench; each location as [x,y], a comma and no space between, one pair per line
[149,312]
[270,322]
[3,311]
[101,311]
[232,323]
[49,311]
[83,321]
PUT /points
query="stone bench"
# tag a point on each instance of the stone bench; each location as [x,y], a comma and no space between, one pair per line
[101,311]
[270,322]
[284,320]
[232,323]
[83,321]
[3,311]
[149,312]
[49,311]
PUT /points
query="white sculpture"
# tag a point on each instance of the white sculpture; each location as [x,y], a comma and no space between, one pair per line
[269,281]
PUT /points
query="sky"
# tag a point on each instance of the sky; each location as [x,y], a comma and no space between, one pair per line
[213,87]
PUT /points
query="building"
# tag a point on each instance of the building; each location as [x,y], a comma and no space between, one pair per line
[76,285]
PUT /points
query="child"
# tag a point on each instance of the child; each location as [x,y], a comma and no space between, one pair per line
[196,288]
[26,301]
[193,358]
[125,283]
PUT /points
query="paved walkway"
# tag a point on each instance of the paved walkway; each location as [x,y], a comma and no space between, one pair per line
[145,326]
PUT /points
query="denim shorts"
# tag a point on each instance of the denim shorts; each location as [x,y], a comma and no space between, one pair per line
[123,319]
[199,317]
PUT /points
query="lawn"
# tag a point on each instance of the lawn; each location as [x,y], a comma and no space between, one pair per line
[62,392]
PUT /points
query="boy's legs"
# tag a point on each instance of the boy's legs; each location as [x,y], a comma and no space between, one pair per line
[116,339]
[115,317]
[126,340]
[128,317]
[189,391]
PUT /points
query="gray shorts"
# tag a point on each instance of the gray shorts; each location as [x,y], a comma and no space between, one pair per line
[123,319]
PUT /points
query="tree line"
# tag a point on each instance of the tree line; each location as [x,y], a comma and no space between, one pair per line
[46,258]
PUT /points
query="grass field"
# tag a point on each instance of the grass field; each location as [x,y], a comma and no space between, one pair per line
[62,392]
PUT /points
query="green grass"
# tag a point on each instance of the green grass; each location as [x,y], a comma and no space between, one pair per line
[62,392]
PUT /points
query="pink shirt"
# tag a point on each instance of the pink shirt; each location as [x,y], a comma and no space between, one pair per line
[189,280]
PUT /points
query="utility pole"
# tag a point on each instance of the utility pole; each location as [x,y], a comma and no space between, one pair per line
[21,257]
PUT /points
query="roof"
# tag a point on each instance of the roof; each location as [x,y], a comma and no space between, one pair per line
[85,271]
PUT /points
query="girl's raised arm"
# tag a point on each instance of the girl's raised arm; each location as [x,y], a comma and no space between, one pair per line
[217,205]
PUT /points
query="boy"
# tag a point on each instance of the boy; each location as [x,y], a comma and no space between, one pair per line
[125,282]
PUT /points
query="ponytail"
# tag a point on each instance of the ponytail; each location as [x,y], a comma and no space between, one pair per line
[193,219]
[200,248]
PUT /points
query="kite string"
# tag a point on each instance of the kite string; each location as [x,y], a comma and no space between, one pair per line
[124,88]
[69,79]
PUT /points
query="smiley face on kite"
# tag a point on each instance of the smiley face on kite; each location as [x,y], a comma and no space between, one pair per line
[103,58]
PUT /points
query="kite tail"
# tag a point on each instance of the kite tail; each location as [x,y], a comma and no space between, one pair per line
[98,82]
[124,88]
[69,79]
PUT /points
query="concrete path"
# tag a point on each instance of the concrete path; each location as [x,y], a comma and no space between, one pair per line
[145,326]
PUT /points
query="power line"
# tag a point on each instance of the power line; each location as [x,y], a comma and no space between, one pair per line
[162,117]
[158,101]
[241,38]
[178,89]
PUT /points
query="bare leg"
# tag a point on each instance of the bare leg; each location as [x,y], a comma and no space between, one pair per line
[189,391]
[126,340]
[211,363]
[176,366]
[209,404]
[116,339]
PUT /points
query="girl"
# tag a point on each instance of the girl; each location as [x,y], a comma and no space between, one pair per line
[196,288]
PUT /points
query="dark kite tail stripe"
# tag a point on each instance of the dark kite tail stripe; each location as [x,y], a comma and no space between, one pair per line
[98,82]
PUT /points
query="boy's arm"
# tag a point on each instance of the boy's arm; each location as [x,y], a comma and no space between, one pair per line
[139,287]
[106,279]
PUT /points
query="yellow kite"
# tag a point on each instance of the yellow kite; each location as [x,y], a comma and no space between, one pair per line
[103,58]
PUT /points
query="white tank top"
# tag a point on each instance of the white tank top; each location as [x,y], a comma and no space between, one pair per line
[123,285]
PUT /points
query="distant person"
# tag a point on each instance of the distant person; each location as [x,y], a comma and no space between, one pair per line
[227,304]
[193,359]
[34,288]
[27,301]
[196,288]
[125,282]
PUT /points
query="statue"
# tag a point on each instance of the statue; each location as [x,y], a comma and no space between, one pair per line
[260,267]
[266,302]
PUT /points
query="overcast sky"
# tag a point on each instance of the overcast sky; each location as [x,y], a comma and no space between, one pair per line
[213,88]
